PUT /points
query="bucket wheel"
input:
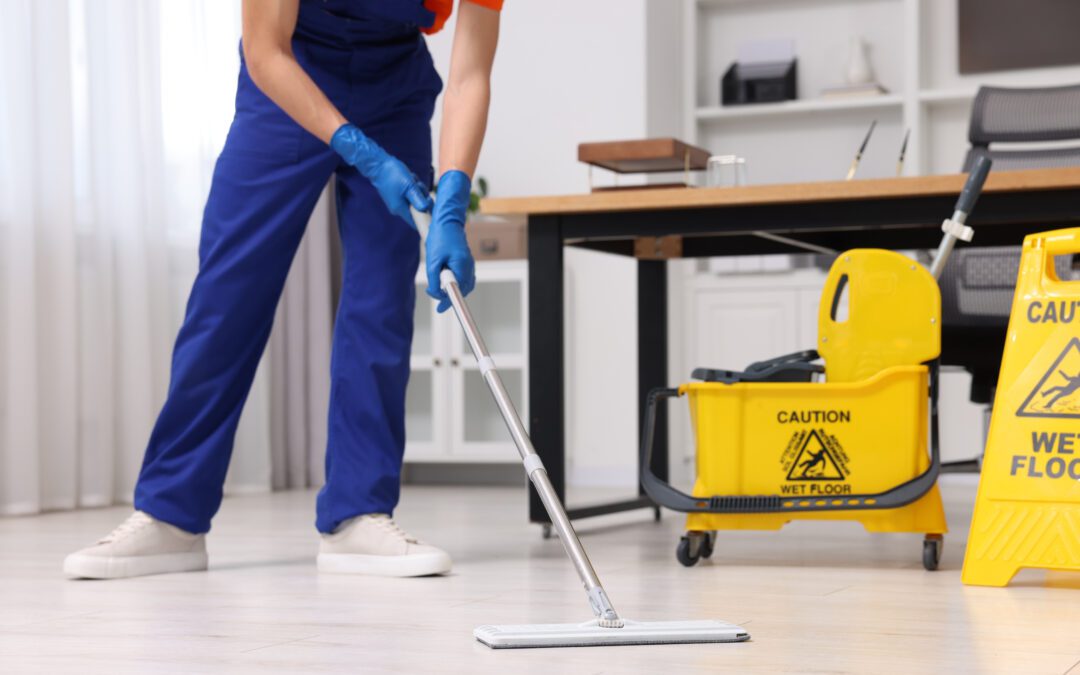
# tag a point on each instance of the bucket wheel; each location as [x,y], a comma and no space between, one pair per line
[694,546]
[931,551]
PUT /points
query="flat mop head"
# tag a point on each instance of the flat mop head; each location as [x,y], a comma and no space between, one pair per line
[590,634]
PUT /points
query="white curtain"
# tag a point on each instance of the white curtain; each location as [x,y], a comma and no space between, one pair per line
[111,115]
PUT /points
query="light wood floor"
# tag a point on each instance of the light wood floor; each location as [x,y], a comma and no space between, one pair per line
[816,598]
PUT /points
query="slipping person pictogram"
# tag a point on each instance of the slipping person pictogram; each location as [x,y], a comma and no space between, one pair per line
[815,461]
[1057,393]
[1073,383]
[816,458]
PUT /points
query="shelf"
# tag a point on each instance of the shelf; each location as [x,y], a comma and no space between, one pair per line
[426,362]
[801,106]
[422,362]
[502,362]
[931,96]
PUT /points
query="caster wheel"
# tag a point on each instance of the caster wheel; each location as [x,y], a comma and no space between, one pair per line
[708,544]
[693,546]
[931,551]
[684,554]
[546,531]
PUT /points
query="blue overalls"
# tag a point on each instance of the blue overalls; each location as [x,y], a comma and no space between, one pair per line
[370,59]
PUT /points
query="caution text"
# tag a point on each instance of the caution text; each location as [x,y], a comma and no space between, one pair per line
[813,416]
[1059,311]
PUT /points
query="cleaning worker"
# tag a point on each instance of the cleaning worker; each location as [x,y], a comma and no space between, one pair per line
[326,87]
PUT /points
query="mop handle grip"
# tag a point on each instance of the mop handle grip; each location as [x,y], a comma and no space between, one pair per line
[974,184]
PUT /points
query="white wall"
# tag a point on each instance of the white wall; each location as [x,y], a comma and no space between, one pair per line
[566,72]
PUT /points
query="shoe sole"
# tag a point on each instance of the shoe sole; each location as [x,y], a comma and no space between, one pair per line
[121,567]
[424,565]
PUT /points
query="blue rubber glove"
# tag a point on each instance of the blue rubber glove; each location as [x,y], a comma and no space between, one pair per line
[397,186]
[446,245]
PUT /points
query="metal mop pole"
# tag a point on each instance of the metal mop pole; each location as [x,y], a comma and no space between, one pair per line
[955,228]
[534,467]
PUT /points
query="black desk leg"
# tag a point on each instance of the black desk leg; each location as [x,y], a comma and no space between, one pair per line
[653,355]
[546,380]
[547,421]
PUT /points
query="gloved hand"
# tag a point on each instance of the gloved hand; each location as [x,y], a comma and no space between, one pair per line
[397,186]
[446,245]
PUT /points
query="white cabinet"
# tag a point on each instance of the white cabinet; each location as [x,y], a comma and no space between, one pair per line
[735,320]
[449,413]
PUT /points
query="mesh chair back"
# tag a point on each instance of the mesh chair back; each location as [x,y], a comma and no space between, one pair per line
[1009,115]
[977,284]
[1017,160]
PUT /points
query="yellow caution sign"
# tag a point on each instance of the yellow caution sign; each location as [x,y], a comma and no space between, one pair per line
[1027,513]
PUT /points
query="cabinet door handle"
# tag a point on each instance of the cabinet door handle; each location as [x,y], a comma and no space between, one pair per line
[436,362]
[455,363]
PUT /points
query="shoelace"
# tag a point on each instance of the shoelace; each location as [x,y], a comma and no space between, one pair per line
[387,523]
[135,521]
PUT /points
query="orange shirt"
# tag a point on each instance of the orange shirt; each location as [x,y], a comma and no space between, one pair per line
[444,8]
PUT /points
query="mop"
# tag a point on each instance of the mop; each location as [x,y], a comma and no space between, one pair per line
[608,628]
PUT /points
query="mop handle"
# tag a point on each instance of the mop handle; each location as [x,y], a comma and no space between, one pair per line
[534,467]
[956,228]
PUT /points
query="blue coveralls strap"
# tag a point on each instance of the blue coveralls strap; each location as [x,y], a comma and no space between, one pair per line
[370,59]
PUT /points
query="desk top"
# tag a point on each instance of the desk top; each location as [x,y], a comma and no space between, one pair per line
[687,198]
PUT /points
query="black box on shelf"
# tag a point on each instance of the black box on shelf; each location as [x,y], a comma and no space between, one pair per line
[758,83]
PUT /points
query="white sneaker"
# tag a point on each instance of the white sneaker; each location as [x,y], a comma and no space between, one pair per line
[374,544]
[141,545]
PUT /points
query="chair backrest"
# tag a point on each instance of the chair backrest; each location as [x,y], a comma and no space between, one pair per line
[1010,115]
[878,309]
[977,283]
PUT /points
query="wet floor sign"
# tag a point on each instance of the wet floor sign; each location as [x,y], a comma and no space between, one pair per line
[1027,513]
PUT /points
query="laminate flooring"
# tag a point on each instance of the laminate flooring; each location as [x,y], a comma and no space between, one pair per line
[816,597]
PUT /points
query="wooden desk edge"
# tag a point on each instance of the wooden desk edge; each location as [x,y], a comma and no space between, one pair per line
[688,198]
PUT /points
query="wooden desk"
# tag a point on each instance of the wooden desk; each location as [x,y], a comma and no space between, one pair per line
[885,213]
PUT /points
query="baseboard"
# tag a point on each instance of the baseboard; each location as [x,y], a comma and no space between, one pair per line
[241,489]
[20,509]
[452,473]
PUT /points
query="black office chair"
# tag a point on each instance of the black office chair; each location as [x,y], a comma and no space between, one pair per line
[977,284]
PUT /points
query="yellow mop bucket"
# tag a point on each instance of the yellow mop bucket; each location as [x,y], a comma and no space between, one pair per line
[773,445]
[1027,513]
[854,447]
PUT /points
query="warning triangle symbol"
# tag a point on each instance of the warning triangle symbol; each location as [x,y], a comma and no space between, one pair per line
[814,461]
[1057,394]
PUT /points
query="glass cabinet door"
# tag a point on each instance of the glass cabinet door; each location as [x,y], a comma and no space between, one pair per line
[498,306]
[425,398]
[449,412]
